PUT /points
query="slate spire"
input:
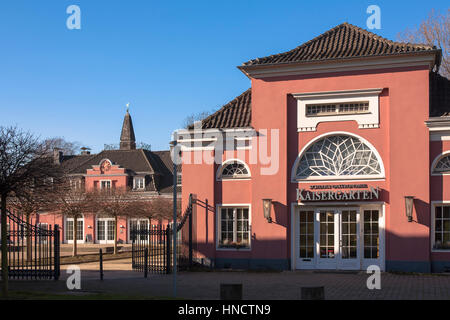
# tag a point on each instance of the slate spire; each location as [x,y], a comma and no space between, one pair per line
[127,138]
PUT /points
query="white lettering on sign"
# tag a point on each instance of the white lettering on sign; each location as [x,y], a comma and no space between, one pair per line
[306,195]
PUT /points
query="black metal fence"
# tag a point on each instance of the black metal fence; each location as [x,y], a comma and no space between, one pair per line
[33,250]
[152,246]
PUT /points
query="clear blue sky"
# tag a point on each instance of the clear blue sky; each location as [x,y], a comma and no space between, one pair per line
[169,59]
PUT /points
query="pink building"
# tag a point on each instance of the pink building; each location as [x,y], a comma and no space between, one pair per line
[337,157]
[148,174]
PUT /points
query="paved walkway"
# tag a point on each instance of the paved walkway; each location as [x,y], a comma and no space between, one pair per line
[119,278]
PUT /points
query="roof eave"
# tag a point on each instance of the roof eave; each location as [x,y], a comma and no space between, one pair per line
[430,57]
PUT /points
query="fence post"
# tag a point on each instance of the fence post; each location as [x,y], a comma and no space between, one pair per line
[101,264]
[168,260]
[145,262]
[56,254]
[191,204]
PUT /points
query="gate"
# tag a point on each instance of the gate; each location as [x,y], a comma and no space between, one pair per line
[152,246]
[33,250]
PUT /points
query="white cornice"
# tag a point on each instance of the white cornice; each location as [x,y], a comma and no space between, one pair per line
[438,124]
[340,65]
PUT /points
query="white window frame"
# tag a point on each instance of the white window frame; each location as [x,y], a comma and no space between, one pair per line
[66,219]
[110,184]
[219,176]
[105,219]
[219,226]
[137,220]
[436,161]
[435,204]
[378,177]
[369,119]
[136,185]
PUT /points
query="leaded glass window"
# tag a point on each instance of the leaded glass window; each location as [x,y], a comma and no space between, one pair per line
[443,165]
[234,170]
[338,156]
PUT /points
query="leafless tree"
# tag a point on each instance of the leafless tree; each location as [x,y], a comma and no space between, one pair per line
[157,208]
[25,164]
[191,119]
[435,30]
[114,203]
[28,202]
[71,201]
[67,147]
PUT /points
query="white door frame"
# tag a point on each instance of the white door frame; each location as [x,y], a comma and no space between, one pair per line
[65,229]
[105,219]
[138,220]
[296,262]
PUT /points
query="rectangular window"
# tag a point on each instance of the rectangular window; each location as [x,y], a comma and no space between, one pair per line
[442,228]
[69,230]
[371,234]
[139,183]
[330,109]
[105,184]
[307,234]
[234,228]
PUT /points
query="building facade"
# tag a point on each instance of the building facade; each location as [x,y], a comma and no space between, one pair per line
[337,157]
[148,174]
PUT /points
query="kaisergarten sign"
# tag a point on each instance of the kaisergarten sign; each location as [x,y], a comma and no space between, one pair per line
[338,195]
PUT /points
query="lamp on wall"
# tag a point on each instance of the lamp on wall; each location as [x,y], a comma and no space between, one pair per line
[267,206]
[409,202]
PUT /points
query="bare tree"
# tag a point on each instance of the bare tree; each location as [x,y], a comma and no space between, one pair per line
[191,119]
[113,202]
[435,30]
[67,147]
[71,200]
[25,164]
[157,208]
[28,202]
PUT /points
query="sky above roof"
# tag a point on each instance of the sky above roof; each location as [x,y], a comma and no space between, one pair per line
[167,59]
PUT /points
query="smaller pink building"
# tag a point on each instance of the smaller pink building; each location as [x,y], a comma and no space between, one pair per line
[147,173]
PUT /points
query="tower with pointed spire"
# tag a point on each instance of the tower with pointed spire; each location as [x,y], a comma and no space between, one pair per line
[127,138]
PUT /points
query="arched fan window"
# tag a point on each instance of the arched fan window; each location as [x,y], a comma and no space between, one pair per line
[234,169]
[442,165]
[338,157]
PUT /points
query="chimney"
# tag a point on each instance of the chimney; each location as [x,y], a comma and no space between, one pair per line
[85,151]
[57,156]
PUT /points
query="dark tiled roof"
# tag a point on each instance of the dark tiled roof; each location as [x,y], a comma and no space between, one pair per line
[439,95]
[235,114]
[343,41]
[134,160]
[163,160]
[72,162]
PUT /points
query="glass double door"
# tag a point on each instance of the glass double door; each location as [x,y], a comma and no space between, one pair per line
[105,230]
[329,238]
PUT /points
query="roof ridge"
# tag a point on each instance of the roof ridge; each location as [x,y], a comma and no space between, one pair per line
[349,27]
[146,159]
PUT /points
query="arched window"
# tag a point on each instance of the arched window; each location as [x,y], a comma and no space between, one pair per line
[233,169]
[338,157]
[442,164]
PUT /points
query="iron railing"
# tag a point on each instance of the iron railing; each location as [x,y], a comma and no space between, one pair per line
[33,250]
[152,246]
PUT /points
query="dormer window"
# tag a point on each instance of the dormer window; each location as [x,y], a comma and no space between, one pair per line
[139,183]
